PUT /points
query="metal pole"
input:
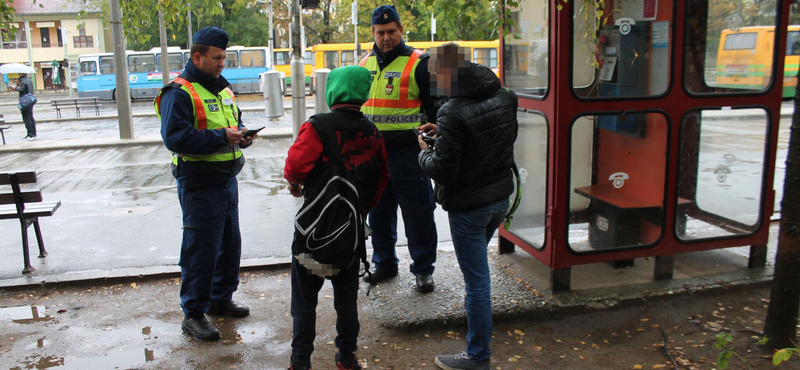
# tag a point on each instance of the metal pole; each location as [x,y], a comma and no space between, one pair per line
[355,31]
[162,31]
[67,67]
[297,71]
[189,28]
[123,94]
[30,50]
[271,45]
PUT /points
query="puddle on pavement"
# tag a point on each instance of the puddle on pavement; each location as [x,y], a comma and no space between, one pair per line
[24,314]
[111,360]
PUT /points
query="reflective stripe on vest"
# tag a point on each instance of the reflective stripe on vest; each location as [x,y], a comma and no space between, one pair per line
[392,110]
[205,105]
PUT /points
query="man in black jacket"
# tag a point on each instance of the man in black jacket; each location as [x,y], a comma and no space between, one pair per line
[26,87]
[472,166]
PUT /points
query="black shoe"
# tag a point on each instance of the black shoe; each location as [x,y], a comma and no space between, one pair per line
[199,327]
[228,309]
[292,367]
[377,275]
[425,283]
[460,362]
[347,364]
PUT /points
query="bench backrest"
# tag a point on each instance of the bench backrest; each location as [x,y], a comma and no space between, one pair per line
[74,101]
[22,177]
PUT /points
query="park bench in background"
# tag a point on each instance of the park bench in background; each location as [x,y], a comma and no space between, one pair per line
[26,206]
[77,104]
[3,127]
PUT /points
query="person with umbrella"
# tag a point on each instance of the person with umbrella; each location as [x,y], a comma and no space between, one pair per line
[24,88]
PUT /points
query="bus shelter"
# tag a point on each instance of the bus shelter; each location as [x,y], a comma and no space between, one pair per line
[648,128]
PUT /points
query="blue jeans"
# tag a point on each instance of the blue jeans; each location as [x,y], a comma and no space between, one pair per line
[410,188]
[471,233]
[211,247]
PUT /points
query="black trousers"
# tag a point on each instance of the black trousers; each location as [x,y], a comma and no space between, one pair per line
[305,290]
[30,123]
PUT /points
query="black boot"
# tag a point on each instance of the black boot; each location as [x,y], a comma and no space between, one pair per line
[199,327]
[228,309]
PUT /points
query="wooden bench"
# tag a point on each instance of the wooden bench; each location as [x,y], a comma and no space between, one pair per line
[26,206]
[3,127]
[77,103]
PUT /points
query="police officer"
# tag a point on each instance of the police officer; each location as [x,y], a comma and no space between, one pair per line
[398,97]
[202,126]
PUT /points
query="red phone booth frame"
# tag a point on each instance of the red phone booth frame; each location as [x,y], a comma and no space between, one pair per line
[561,107]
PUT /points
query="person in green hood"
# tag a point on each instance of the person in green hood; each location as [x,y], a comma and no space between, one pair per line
[360,147]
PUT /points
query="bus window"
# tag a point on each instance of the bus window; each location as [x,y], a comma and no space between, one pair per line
[347,58]
[793,43]
[282,58]
[232,61]
[485,56]
[254,58]
[308,57]
[141,63]
[107,65]
[89,68]
[526,57]
[330,59]
[175,62]
[733,56]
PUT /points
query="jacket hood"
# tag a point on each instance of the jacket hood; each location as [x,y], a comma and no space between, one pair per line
[479,82]
[348,84]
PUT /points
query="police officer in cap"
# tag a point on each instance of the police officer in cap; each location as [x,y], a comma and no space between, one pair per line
[399,101]
[202,126]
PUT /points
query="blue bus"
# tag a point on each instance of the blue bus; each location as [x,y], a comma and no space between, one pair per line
[242,68]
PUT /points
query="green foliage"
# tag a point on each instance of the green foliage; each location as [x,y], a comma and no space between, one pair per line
[785,354]
[140,17]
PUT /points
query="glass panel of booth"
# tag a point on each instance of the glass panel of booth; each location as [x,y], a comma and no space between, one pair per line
[622,50]
[618,165]
[730,47]
[721,173]
[530,153]
[526,52]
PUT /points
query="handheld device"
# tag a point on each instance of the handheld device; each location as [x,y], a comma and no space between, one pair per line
[251,133]
[427,139]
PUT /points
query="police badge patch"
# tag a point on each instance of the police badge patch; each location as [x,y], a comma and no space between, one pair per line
[389,89]
[213,108]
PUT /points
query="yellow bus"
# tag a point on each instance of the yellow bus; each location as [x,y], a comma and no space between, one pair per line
[744,59]
[282,59]
[336,55]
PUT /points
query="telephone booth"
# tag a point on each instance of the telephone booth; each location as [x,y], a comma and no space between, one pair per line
[647,128]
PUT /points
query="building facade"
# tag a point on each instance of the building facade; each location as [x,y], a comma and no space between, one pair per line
[50,36]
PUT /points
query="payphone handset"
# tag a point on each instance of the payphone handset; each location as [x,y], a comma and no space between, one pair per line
[624,25]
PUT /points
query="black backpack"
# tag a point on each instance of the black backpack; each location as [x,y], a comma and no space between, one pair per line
[329,229]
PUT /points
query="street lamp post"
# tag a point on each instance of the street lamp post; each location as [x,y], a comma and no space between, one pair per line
[271,42]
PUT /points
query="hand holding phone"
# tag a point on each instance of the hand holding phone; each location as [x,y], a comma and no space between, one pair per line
[250,133]
[427,139]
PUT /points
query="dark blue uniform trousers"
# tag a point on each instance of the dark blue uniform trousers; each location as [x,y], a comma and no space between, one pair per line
[410,188]
[212,245]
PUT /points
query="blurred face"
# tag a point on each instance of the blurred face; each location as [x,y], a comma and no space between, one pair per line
[387,36]
[212,63]
[444,67]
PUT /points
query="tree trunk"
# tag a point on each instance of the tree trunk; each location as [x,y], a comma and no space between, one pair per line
[781,322]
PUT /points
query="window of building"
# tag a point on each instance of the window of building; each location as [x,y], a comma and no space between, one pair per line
[83,41]
[15,40]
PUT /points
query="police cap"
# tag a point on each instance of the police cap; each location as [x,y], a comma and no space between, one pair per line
[211,36]
[385,14]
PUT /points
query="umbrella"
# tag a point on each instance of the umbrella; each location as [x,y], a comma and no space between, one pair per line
[16,68]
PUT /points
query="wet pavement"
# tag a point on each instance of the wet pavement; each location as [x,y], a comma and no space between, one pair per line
[106,295]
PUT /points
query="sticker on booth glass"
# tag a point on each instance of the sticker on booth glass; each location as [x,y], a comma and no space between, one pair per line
[618,179]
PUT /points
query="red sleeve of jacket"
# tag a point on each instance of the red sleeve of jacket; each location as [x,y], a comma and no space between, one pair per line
[383,180]
[303,154]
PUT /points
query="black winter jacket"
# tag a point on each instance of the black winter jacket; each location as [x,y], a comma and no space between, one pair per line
[472,160]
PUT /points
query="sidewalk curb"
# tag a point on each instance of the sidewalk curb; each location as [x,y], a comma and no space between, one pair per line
[151,140]
[80,278]
[134,115]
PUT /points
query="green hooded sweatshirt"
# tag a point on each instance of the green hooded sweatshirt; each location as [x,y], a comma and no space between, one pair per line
[348,85]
